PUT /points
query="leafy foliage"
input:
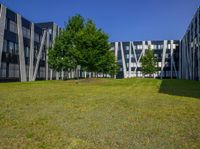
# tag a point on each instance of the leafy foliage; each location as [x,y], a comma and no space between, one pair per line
[82,43]
[149,63]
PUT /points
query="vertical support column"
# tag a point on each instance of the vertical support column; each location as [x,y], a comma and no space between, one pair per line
[21,50]
[151,47]
[186,60]
[31,53]
[143,52]
[163,57]
[54,36]
[2,29]
[143,48]
[190,55]
[179,59]
[129,65]
[57,33]
[39,55]
[51,74]
[57,75]
[90,75]
[123,60]
[198,42]
[193,49]
[116,54]
[62,75]
[47,57]
[171,57]
[135,57]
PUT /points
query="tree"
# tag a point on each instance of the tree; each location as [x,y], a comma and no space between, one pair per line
[95,49]
[64,54]
[149,63]
[82,43]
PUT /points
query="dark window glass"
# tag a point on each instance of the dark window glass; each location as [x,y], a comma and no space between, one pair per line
[5,46]
[13,26]
[27,51]
[11,47]
[26,32]
[37,38]
[16,49]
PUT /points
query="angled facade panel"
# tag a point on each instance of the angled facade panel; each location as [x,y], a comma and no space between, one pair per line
[190,58]
[39,56]
[21,50]
[130,55]
[47,49]
[2,28]
[31,53]
[123,60]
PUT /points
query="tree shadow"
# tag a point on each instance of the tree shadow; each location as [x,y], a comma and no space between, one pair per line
[186,88]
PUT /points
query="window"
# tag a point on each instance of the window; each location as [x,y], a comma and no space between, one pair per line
[5,46]
[11,47]
[159,64]
[153,46]
[43,55]
[37,37]
[13,27]
[50,31]
[119,60]
[26,32]
[6,25]
[169,46]
[16,49]
[156,55]
[139,47]
[127,48]
[27,51]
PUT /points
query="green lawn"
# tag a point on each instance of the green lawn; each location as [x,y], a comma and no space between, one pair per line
[100,113]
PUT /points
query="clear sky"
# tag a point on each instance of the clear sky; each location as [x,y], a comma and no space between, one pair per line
[123,20]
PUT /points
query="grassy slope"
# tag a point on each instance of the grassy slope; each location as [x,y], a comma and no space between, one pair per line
[131,113]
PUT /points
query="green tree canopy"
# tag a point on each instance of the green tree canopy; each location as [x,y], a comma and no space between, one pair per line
[82,43]
[149,63]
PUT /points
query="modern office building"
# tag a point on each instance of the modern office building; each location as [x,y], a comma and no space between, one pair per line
[24,47]
[189,64]
[128,55]
[24,51]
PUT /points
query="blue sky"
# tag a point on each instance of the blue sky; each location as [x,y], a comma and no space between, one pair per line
[123,20]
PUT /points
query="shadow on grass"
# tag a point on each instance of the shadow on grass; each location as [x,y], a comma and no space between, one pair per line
[185,88]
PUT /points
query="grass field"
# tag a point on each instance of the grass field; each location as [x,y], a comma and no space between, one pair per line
[100,113]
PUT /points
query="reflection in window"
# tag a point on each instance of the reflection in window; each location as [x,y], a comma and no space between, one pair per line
[16,49]
[11,47]
[26,32]
[27,51]
[37,37]
[5,45]
[12,26]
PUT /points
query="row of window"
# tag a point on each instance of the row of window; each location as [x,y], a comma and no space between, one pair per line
[12,48]
[159,64]
[167,55]
[140,47]
[12,27]
[12,71]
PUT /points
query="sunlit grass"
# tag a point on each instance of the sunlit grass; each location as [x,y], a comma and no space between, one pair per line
[100,113]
